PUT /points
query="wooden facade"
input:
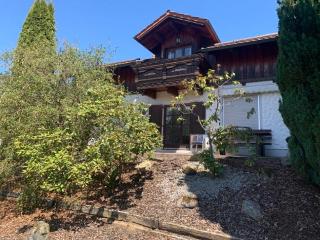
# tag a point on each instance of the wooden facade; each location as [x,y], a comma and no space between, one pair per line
[125,75]
[164,32]
[251,59]
[250,63]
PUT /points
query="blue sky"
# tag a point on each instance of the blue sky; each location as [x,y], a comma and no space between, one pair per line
[113,23]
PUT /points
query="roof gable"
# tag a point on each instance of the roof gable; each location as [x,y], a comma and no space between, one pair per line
[152,35]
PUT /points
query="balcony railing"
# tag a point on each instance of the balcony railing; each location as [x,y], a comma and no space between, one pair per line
[158,73]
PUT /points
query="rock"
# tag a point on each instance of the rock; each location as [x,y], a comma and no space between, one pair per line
[251,209]
[145,165]
[201,168]
[40,231]
[188,200]
[190,168]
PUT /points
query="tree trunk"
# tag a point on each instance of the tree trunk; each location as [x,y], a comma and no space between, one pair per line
[211,147]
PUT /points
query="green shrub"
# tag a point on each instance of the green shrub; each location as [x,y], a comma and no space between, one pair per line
[7,170]
[298,77]
[65,123]
[102,135]
[214,167]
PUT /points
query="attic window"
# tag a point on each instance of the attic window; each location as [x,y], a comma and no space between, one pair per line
[179,52]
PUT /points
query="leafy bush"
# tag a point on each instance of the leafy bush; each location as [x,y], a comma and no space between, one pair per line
[209,163]
[65,124]
[74,130]
[7,170]
[101,135]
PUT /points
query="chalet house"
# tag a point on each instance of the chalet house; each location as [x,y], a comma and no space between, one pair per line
[183,47]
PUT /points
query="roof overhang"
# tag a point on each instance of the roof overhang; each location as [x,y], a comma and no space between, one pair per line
[153,30]
[273,37]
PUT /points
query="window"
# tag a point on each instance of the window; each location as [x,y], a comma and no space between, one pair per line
[187,51]
[179,52]
[171,54]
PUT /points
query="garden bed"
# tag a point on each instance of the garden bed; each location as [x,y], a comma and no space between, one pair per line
[69,225]
[290,208]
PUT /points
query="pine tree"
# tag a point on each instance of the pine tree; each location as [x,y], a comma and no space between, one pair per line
[24,104]
[38,32]
[299,82]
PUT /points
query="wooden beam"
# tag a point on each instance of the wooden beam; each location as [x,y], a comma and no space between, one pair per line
[173,91]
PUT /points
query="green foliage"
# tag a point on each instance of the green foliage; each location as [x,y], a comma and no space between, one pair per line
[101,135]
[72,129]
[83,136]
[39,25]
[48,159]
[38,32]
[210,163]
[299,82]
[220,138]
[7,170]
[65,125]
[31,198]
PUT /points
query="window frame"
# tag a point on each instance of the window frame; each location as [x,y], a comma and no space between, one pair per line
[173,51]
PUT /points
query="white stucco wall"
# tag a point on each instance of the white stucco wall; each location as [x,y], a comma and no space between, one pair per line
[272,119]
[269,115]
[163,98]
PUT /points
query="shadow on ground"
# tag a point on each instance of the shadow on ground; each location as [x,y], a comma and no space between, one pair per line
[290,206]
[64,221]
[123,195]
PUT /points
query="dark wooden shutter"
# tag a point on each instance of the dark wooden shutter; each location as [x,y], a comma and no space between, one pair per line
[155,112]
[195,127]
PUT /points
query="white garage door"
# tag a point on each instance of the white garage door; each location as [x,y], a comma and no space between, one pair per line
[235,112]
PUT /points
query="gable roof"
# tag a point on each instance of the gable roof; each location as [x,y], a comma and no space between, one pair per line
[202,23]
[182,17]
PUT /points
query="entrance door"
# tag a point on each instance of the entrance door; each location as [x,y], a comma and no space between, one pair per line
[176,132]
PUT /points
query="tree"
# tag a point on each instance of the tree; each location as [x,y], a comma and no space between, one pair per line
[299,82]
[23,107]
[72,129]
[219,137]
[38,32]
[65,125]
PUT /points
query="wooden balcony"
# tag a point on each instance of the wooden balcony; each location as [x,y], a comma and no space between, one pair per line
[164,73]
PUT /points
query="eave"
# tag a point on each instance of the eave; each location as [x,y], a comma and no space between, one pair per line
[273,37]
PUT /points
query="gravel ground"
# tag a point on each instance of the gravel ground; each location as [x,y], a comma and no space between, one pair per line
[169,184]
[68,226]
[290,206]
[203,185]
